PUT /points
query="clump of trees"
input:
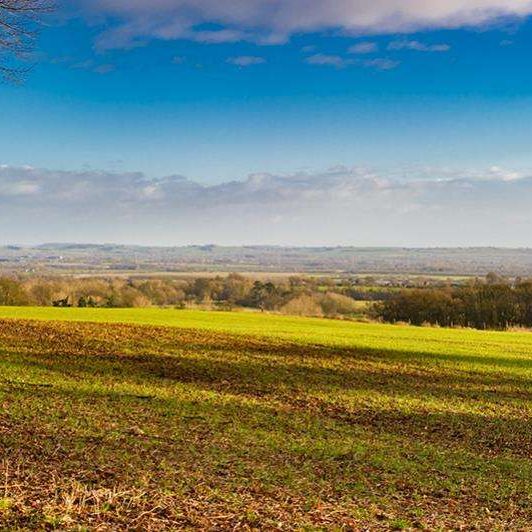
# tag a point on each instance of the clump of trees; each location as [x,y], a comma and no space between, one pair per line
[489,305]
[295,295]
[13,293]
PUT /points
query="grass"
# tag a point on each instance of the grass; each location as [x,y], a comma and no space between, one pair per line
[162,419]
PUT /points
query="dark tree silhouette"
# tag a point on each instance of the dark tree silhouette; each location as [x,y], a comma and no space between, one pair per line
[19,22]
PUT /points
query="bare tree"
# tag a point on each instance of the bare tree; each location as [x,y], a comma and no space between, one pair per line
[19,21]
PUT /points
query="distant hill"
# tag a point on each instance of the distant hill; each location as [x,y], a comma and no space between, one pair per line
[80,258]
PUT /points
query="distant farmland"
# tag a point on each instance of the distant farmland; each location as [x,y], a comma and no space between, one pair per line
[109,259]
[155,419]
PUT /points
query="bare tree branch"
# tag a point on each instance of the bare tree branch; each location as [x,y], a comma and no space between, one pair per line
[19,24]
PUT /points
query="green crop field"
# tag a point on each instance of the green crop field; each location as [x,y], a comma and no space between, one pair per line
[149,419]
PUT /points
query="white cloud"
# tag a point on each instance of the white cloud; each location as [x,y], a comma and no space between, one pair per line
[89,65]
[381,63]
[274,21]
[503,174]
[218,36]
[340,205]
[246,60]
[363,48]
[418,46]
[105,69]
[18,188]
[336,61]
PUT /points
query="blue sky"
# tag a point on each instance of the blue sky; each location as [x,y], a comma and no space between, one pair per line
[408,91]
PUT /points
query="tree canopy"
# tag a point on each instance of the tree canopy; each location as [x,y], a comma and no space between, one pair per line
[19,22]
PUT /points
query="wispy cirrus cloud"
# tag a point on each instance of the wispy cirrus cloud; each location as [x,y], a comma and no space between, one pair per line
[89,65]
[275,21]
[246,60]
[336,61]
[381,63]
[340,62]
[417,46]
[364,48]
[415,206]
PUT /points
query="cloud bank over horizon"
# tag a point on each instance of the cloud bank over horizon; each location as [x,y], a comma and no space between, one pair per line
[351,206]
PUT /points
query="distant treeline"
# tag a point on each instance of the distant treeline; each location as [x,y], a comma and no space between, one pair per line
[482,306]
[490,303]
[295,295]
